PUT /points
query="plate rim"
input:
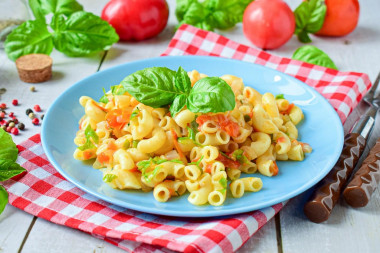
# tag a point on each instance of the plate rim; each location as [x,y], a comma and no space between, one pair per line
[195,213]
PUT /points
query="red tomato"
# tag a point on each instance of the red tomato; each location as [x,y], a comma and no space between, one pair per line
[268,24]
[136,19]
[341,17]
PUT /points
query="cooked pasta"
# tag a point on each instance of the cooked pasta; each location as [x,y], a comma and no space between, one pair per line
[137,146]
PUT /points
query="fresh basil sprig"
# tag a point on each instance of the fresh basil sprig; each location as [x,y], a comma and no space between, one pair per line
[40,8]
[160,86]
[314,55]
[310,16]
[75,32]
[211,14]
[8,166]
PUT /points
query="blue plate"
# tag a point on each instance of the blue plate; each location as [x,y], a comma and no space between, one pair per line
[321,128]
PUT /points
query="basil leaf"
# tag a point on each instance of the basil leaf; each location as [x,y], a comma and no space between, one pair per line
[117,90]
[309,16]
[35,7]
[211,94]
[134,114]
[313,55]
[90,134]
[65,7]
[182,81]
[154,86]
[8,150]
[104,98]
[223,182]
[82,33]
[108,178]
[30,37]
[9,169]
[181,8]
[227,13]
[3,198]
[178,103]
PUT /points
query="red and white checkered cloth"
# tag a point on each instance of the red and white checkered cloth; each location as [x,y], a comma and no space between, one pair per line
[43,192]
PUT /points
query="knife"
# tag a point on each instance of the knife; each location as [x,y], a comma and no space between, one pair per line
[326,194]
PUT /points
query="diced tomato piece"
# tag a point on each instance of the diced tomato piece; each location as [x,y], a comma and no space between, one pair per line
[274,169]
[229,163]
[290,107]
[118,118]
[207,168]
[88,154]
[112,146]
[223,121]
[103,158]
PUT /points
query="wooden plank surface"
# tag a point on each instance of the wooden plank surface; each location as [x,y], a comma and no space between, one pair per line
[358,51]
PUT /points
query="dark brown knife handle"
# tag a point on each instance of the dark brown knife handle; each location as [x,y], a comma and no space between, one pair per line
[358,192]
[326,193]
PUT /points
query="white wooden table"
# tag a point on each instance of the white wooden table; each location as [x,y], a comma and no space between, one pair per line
[347,230]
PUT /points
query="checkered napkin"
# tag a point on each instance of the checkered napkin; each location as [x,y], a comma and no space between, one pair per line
[43,192]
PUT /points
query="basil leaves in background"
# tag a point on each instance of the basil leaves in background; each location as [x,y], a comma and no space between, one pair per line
[82,33]
[160,86]
[310,16]
[211,14]
[75,32]
[30,37]
[8,166]
[313,55]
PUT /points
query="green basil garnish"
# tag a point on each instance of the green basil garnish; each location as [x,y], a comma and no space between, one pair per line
[310,16]
[160,86]
[313,55]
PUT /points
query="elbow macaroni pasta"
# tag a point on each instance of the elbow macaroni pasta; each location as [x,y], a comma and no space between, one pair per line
[144,148]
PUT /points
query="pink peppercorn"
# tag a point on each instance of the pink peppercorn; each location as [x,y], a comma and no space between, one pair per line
[14,131]
[3,106]
[37,108]
[3,122]
[9,129]
[11,114]
[35,121]
[2,114]
[14,102]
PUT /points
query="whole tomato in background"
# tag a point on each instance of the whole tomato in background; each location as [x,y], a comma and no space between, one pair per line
[341,17]
[136,19]
[268,24]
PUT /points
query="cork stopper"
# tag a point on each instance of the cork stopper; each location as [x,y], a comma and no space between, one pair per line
[34,68]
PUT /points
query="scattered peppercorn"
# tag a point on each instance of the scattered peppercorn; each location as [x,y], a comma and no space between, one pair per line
[2,114]
[31,115]
[11,124]
[14,131]
[4,128]
[11,114]
[32,88]
[21,126]
[42,116]
[14,102]
[28,111]
[9,129]
[15,120]
[35,121]
[3,106]
[37,108]
[3,122]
